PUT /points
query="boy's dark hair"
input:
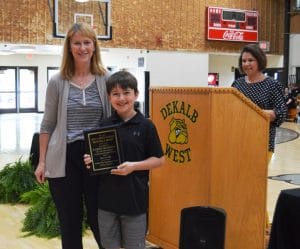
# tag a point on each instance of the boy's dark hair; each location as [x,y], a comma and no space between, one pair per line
[123,79]
[257,53]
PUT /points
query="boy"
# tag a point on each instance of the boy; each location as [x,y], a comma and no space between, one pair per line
[123,194]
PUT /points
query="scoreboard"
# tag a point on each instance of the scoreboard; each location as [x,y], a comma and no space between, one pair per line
[232,24]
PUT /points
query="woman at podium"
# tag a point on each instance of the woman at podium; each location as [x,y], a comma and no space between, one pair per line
[263,90]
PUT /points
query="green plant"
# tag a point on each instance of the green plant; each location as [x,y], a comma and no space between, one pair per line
[15,179]
[41,218]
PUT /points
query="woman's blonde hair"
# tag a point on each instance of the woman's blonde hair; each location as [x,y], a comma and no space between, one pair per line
[67,68]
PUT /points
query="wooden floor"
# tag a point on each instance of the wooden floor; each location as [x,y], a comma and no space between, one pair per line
[15,139]
[286,160]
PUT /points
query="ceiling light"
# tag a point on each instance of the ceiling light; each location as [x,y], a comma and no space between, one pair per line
[23,48]
[6,52]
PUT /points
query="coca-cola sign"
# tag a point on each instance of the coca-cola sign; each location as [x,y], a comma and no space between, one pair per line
[232,24]
[232,35]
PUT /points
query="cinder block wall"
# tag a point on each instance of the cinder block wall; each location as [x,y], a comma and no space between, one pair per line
[145,24]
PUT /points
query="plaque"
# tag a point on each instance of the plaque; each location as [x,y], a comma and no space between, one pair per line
[104,147]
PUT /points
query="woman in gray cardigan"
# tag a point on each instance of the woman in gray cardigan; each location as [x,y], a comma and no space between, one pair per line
[76,100]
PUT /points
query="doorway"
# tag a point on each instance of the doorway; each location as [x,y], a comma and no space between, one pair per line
[18,89]
[297,75]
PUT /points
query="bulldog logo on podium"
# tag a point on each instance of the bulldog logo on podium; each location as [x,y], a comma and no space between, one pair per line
[177,147]
[178,132]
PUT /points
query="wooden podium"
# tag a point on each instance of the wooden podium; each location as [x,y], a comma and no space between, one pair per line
[216,149]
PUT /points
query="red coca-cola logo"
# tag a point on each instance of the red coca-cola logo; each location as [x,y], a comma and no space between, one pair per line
[233,35]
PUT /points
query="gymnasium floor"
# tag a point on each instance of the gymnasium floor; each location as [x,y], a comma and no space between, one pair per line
[15,139]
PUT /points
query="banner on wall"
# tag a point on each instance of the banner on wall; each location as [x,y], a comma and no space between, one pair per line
[232,24]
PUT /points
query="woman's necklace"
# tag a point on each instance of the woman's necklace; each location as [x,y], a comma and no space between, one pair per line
[83,81]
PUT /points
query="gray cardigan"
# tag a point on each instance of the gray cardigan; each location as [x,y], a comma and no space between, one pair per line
[55,121]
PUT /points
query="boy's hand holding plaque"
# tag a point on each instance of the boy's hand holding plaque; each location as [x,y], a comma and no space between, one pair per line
[104,147]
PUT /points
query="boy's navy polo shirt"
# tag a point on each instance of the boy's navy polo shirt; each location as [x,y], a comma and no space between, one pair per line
[128,195]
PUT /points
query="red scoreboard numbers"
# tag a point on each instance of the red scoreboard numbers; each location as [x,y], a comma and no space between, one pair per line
[232,24]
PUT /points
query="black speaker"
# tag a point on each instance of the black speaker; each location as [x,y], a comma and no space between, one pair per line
[202,228]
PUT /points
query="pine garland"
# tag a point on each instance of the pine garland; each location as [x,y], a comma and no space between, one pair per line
[41,218]
[18,185]
[15,179]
